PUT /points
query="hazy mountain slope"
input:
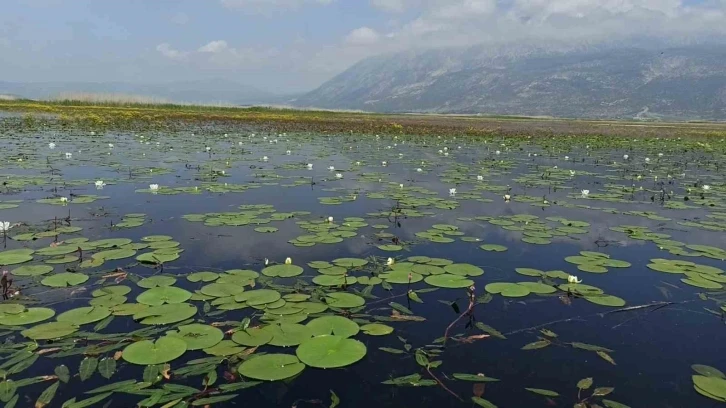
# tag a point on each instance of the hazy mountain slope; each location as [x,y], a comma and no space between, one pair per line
[684,83]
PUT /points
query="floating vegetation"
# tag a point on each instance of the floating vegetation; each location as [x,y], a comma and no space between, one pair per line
[243,253]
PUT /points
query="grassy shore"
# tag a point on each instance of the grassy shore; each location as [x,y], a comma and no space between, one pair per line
[122,115]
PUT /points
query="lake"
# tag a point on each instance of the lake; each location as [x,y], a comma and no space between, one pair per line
[230,265]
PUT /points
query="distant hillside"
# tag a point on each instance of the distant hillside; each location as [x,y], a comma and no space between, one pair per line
[203,91]
[673,83]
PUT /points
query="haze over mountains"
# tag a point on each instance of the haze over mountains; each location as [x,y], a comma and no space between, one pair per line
[686,82]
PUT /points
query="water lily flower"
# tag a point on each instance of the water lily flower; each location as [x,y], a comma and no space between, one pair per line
[267,261]
[480,178]
[5,226]
[706,187]
[357,163]
[69,155]
[110,145]
[240,143]
[207,148]
[64,200]
[100,184]
[288,152]
[660,154]
[572,172]
[339,175]
[419,170]
[154,187]
[446,148]
[390,261]
[507,197]
[51,145]
[497,152]
[441,151]
[625,157]
[331,168]
[310,166]
[288,261]
[647,159]
[330,218]
[264,158]
[585,193]
[446,154]
[573,279]
[452,192]
[567,157]
[384,163]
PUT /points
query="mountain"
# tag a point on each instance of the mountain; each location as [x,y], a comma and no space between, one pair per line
[683,82]
[201,91]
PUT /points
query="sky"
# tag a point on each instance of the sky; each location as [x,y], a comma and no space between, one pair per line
[287,46]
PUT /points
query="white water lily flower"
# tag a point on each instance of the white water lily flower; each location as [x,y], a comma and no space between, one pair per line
[265,158]
[330,219]
[288,152]
[5,226]
[207,148]
[497,152]
[567,157]
[357,163]
[585,193]
[480,178]
[573,279]
[507,197]
[110,145]
[572,172]
[240,143]
[660,154]
[331,168]
[69,155]
[288,261]
[625,157]
[384,163]
[154,187]
[441,152]
[390,261]
[100,184]
[446,154]
[400,185]
[706,187]
[51,145]
[446,148]
[647,159]
[310,166]
[64,200]
[452,191]
[267,261]
[419,170]
[339,175]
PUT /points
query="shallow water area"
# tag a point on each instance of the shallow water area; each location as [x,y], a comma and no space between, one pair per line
[230,265]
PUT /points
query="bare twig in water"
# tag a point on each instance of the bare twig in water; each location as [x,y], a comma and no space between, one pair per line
[428,370]
[467,312]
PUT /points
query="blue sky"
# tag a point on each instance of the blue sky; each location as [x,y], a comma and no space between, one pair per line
[294,45]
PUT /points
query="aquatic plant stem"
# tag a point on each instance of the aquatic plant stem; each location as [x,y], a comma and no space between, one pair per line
[428,370]
[472,303]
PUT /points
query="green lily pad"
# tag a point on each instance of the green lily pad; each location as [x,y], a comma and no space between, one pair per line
[288,334]
[539,288]
[271,367]
[64,279]
[32,270]
[343,300]
[330,351]
[712,387]
[25,316]
[493,248]
[448,281]
[258,297]
[198,336]
[224,348]
[84,315]
[222,289]
[350,262]
[202,277]
[252,337]
[376,329]
[48,331]
[163,294]
[147,352]
[336,325]
[606,300]
[156,281]
[166,314]
[334,280]
[463,269]
[282,271]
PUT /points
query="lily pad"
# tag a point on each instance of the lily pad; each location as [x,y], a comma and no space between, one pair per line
[32,270]
[288,334]
[282,271]
[330,351]
[376,329]
[271,367]
[252,337]
[343,300]
[163,294]
[48,331]
[147,352]
[336,325]
[448,281]
[198,336]
[64,279]
[26,316]
[84,315]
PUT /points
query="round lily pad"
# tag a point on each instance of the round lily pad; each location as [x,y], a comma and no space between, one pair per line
[401,276]
[449,281]
[463,269]
[282,271]
[539,288]
[119,290]
[222,289]
[166,314]
[84,315]
[25,316]
[330,351]
[334,280]
[224,348]
[287,334]
[198,336]
[606,300]
[271,367]
[32,270]
[48,331]
[64,279]
[258,297]
[712,387]
[252,337]
[156,281]
[163,294]
[147,352]
[156,238]
[343,300]
[337,325]
[350,262]
[493,248]
[376,329]
[202,277]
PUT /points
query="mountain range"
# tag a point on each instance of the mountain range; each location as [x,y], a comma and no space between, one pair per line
[680,83]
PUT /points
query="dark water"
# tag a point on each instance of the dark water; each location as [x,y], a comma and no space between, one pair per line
[653,349]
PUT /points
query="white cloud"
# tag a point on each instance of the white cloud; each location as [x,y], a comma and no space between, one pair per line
[392,6]
[214,47]
[362,36]
[166,50]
